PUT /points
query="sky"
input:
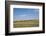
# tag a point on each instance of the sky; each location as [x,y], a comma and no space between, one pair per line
[25,14]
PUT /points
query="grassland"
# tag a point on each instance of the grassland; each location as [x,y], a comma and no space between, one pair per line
[26,23]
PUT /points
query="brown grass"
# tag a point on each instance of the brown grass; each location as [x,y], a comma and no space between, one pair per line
[26,23]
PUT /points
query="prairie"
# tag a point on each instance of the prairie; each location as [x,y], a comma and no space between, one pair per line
[25,23]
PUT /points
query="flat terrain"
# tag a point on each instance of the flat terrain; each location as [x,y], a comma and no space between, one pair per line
[26,23]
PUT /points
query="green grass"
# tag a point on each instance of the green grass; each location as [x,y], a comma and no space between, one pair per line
[26,23]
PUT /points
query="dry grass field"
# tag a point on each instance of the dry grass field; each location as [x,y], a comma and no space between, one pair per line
[26,23]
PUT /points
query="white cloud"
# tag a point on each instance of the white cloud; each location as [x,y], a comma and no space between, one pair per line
[25,17]
[22,15]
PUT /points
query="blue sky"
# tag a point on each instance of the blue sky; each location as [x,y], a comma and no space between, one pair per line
[25,14]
